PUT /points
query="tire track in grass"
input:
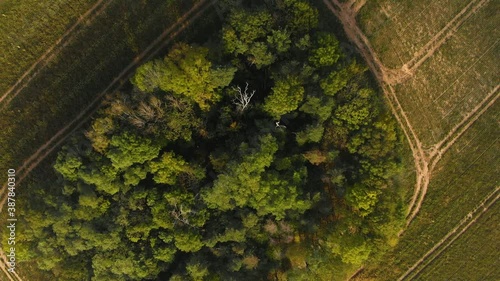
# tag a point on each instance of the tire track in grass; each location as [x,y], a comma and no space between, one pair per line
[358,5]
[443,35]
[451,236]
[424,162]
[441,147]
[438,151]
[52,52]
[13,276]
[198,9]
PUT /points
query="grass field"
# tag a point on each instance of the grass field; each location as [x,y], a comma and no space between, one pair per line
[447,53]
[456,78]
[28,28]
[398,29]
[469,256]
[436,62]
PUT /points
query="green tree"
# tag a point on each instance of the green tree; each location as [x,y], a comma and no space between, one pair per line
[149,76]
[321,107]
[186,72]
[301,15]
[280,40]
[67,165]
[356,113]
[286,96]
[233,188]
[188,240]
[326,51]
[312,133]
[362,199]
[127,149]
[168,168]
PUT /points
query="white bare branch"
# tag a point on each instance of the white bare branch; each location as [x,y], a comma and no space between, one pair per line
[242,98]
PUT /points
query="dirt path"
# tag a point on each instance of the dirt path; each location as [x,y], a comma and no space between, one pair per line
[441,147]
[443,35]
[451,236]
[425,161]
[358,5]
[347,17]
[52,52]
[44,150]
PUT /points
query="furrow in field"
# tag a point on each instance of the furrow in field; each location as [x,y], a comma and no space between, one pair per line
[451,236]
[444,34]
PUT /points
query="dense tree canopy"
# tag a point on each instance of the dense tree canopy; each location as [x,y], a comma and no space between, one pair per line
[173,179]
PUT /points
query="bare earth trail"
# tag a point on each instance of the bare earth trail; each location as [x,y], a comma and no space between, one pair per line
[52,52]
[354,33]
[425,160]
[160,42]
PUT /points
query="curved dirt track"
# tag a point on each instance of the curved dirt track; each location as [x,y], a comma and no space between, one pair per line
[425,160]
[348,19]
[161,41]
[51,53]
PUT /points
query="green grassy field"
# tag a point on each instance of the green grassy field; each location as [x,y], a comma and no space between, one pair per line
[469,257]
[455,79]
[455,83]
[398,29]
[28,28]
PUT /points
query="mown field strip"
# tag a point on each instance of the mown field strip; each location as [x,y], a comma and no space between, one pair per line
[52,52]
[449,238]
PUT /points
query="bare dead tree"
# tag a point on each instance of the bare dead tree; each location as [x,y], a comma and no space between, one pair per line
[242,98]
[181,215]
